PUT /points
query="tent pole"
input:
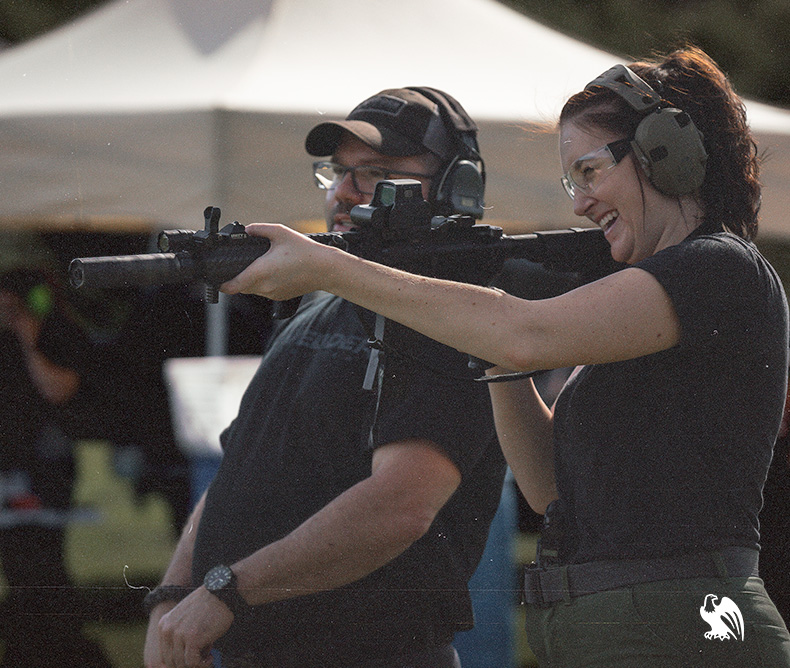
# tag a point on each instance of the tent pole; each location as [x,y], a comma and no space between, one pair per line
[217,314]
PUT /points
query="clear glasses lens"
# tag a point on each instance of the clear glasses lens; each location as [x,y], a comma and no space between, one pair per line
[588,171]
[328,175]
[366,178]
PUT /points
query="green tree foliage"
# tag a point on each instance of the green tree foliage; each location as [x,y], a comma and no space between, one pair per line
[750,39]
[21,20]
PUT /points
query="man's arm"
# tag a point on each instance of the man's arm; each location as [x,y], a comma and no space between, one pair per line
[364,528]
[179,572]
[358,532]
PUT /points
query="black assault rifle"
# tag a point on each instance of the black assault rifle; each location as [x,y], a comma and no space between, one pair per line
[395,229]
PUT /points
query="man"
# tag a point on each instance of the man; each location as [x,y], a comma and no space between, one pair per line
[347,515]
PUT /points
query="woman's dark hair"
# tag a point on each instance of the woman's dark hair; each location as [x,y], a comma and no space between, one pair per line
[691,81]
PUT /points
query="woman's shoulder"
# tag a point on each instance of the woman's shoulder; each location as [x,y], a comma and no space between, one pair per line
[724,244]
[718,269]
[720,283]
[718,253]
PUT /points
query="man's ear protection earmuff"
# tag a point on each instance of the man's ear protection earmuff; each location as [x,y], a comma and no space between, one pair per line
[461,186]
[666,143]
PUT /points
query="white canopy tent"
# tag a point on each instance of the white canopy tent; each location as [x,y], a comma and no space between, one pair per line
[153,109]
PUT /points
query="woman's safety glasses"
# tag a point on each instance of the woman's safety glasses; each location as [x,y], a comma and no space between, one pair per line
[590,170]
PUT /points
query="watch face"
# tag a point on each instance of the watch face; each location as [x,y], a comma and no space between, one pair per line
[217,578]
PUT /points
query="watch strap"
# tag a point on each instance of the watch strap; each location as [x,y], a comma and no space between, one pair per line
[162,593]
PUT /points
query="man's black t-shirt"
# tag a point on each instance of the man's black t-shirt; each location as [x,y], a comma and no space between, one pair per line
[302,437]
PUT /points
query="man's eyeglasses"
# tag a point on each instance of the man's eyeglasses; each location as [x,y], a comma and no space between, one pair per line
[328,175]
[590,170]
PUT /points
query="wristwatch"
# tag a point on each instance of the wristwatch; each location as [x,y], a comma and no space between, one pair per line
[221,581]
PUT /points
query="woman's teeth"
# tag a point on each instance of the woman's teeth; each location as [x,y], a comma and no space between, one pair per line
[606,222]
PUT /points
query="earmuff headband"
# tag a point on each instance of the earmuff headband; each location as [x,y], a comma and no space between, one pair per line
[667,144]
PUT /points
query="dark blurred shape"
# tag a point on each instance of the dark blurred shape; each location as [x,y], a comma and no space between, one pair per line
[44,355]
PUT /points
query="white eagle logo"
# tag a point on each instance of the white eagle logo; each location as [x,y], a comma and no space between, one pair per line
[723,616]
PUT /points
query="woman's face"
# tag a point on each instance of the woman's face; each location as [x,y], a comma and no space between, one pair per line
[637,219]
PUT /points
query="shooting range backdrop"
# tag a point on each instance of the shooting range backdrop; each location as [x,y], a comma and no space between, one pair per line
[150,110]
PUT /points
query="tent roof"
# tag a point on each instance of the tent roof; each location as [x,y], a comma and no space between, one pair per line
[298,56]
[136,71]
[303,56]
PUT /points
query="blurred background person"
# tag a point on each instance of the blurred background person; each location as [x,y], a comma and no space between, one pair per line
[42,354]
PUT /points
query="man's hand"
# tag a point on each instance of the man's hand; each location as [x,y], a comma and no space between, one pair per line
[188,631]
[152,657]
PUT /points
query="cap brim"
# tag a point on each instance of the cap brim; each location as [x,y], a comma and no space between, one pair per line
[324,139]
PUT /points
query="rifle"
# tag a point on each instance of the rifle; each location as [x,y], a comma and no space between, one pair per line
[395,229]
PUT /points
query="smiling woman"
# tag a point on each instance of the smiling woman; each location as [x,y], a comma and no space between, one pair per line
[679,401]
[638,220]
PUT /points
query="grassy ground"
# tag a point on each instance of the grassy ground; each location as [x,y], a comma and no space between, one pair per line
[127,548]
[116,557]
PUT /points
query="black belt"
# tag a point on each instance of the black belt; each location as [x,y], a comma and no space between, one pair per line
[444,656]
[543,586]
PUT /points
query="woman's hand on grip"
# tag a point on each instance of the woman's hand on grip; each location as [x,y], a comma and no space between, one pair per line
[293,266]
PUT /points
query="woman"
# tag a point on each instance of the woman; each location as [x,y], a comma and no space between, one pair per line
[652,461]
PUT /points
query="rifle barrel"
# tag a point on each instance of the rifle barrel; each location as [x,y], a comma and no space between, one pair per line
[126,271]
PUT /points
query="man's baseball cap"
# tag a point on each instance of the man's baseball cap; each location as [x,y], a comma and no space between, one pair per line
[398,122]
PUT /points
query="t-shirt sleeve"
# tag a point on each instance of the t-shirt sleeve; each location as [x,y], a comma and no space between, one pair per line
[428,392]
[715,284]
